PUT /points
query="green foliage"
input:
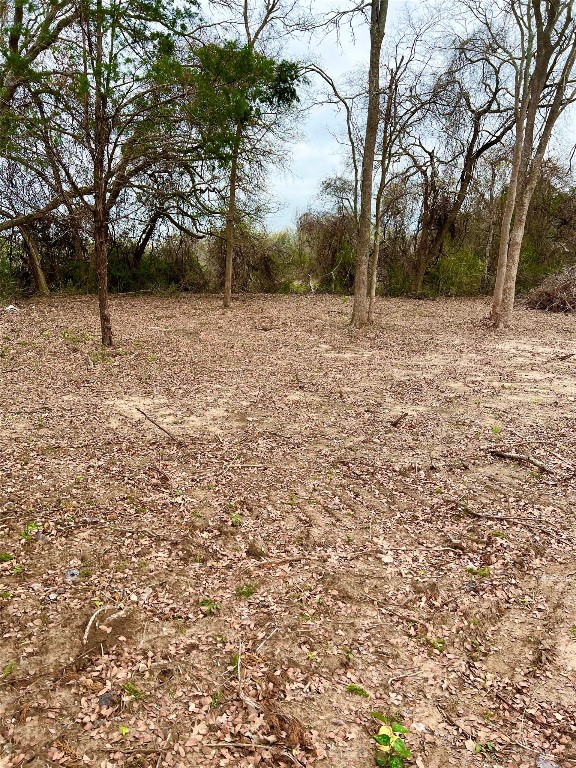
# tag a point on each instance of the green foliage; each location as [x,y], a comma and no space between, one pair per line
[459,272]
[358,690]
[482,572]
[209,607]
[217,700]
[482,747]
[5,557]
[134,692]
[247,590]
[29,530]
[391,748]
[573,631]
[8,669]
[236,87]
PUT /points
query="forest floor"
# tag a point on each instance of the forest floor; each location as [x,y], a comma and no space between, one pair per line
[325,532]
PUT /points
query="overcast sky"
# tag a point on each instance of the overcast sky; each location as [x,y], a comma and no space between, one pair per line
[317,153]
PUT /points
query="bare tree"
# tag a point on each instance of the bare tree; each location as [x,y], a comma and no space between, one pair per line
[378,10]
[536,41]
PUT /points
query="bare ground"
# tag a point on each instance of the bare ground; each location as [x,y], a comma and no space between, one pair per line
[398,555]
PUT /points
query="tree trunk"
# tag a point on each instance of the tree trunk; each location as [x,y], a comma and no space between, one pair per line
[505,228]
[140,249]
[230,219]
[373,272]
[515,247]
[101,259]
[100,211]
[379,10]
[34,263]
[418,277]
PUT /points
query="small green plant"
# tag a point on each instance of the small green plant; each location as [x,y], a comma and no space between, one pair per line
[484,747]
[209,607]
[123,730]
[5,557]
[236,519]
[216,700]
[17,570]
[435,643]
[100,356]
[5,595]
[391,749]
[496,430]
[8,669]
[482,572]
[358,690]
[74,338]
[573,631]
[133,691]
[247,590]
[29,530]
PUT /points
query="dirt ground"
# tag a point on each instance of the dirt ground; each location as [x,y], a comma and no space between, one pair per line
[314,508]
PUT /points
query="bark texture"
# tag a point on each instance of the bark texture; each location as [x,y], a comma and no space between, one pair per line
[378,13]
[34,262]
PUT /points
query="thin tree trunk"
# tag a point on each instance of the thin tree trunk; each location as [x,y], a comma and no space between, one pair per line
[100,213]
[34,263]
[230,219]
[505,229]
[373,278]
[379,10]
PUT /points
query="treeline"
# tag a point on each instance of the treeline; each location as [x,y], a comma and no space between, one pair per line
[316,256]
[136,139]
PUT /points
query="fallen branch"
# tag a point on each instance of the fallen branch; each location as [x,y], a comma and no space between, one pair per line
[395,422]
[159,426]
[96,613]
[561,358]
[522,457]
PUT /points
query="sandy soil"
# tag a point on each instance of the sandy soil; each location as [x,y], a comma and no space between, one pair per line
[323,510]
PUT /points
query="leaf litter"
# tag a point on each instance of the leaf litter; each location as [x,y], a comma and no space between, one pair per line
[218,535]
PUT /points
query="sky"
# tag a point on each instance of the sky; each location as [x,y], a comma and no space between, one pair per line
[316,154]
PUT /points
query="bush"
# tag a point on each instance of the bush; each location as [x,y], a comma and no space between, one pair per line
[556,294]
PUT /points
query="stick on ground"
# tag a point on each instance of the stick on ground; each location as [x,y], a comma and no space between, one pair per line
[163,429]
[523,457]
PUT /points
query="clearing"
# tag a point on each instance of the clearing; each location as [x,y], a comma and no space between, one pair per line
[324,510]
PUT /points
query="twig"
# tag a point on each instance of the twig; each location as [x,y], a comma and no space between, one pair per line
[506,518]
[402,677]
[453,722]
[266,639]
[238,745]
[160,427]
[96,613]
[164,747]
[522,457]
[561,358]
[250,466]
[395,422]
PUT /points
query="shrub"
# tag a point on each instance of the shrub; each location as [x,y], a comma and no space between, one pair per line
[556,294]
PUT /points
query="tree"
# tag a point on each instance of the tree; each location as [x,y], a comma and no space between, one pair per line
[239,95]
[27,30]
[378,14]
[111,113]
[536,42]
